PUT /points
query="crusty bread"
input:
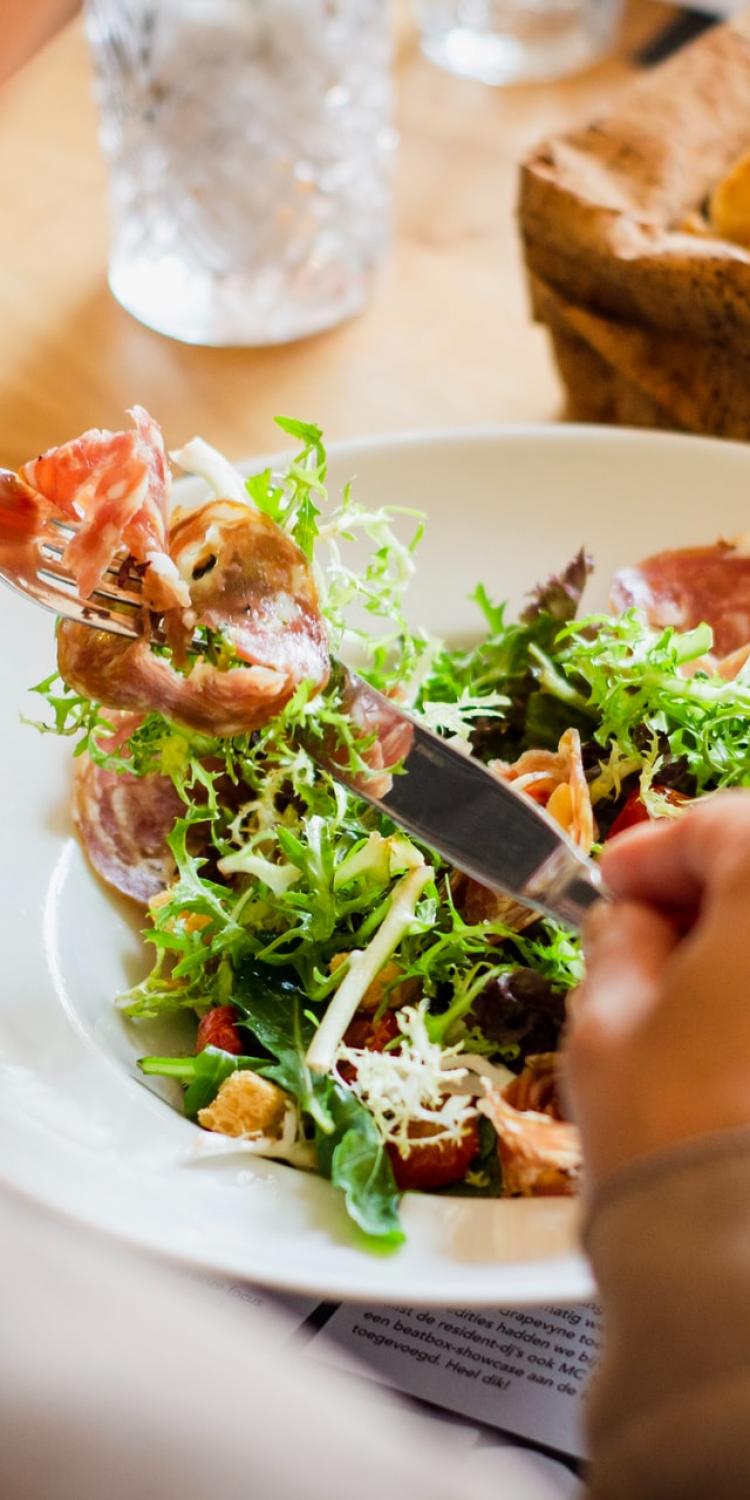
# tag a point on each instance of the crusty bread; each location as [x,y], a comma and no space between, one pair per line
[650,321]
[627,372]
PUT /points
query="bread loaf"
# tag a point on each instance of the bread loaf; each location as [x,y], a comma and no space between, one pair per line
[647,304]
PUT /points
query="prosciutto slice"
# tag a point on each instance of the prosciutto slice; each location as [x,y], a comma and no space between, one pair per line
[691,586]
[250,581]
[222,565]
[127,674]
[115,487]
[540,1153]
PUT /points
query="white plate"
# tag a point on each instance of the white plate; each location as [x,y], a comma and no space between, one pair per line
[77,1127]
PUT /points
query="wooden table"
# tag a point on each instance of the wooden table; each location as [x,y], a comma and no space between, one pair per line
[446,339]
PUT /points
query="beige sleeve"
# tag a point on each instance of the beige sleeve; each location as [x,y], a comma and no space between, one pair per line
[669,1412]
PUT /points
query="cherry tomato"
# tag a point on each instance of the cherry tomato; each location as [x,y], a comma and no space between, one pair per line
[369,1035]
[433,1164]
[218,1029]
[634,811]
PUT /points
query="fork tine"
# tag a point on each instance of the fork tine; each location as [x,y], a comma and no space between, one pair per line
[55,547]
[116,594]
[99,616]
[125,614]
[66,528]
[118,602]
[50,592]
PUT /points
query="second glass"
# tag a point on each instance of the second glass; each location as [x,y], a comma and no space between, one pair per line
[248,144]
[515,41]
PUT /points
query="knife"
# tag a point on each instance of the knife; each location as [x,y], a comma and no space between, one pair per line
[454,805]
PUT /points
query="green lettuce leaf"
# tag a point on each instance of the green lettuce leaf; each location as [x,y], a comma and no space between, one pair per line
[353,1156]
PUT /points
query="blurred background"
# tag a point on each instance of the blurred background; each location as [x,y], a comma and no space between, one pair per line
[443,336]
[431,328]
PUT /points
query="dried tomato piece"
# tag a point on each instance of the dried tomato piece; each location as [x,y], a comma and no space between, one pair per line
[635,811]
[368,1035]
[430,1163]
[218,1029]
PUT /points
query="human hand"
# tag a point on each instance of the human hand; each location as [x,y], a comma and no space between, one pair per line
[658,1046]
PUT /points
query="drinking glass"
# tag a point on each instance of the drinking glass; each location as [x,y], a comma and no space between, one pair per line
[512,41]
[248,144]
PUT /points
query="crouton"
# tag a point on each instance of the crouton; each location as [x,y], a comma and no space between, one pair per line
[245,1106]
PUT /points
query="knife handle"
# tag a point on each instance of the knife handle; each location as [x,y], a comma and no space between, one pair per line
[566,886]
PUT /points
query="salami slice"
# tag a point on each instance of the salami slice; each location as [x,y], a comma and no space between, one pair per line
[247,580]
[123,822]
[691,586]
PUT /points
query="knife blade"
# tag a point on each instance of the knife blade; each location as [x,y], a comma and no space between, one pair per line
[454,805]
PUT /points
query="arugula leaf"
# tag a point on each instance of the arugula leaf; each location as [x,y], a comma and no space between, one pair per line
[74,714]
[312,855]
[307,433]
[195,895]
[270,1007]
[290,499]
[353,1156]
[202,1075]
[267,495]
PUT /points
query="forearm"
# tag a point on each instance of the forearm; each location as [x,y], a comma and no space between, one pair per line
[669,1239]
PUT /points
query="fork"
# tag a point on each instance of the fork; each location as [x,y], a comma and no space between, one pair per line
[32,544]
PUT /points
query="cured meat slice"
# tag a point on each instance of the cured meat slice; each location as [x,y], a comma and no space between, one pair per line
[250,581]
[691,586]
[227,567]
[222,565]
[127,674]
[123,822]
[115,487]
[540,1153]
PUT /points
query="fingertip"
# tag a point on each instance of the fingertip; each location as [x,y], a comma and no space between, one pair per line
[627,931]
[623,859]
[625,961]
[596,919]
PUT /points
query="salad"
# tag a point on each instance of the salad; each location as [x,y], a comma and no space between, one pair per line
[275,900]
